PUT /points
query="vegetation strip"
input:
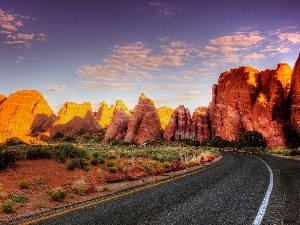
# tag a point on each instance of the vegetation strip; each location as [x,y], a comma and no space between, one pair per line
[134,190]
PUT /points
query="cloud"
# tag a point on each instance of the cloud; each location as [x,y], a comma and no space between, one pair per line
[9,28]
[135,61]
[164,9]
[245,39]
[291,37]
[56,88]
[169,86]
[107,85]
[254,56]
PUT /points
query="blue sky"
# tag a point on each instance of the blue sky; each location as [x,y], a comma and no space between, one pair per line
[172,50]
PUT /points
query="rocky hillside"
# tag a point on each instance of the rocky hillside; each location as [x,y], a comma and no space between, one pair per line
[244,99]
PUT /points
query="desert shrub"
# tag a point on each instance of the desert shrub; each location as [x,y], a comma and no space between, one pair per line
[11,142]
[78,163]
[94,162]
[8,158]
[79,187]
[95,155]
[112,169]
[291,152]
[69,139]
[24,184]
[191,142]
[251,139]
[104,188]
[253,149]
[217,142]
[38,152]
[20,198]
[58,194]
[110,163]
[8,207]
[101,160]
[167,165]
[86,168]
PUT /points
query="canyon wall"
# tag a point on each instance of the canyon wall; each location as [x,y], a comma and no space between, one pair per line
[244,99]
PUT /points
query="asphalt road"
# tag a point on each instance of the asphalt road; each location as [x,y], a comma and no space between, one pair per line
[229,193]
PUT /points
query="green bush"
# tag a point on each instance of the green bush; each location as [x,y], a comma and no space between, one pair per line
[112,169]
[110,163]
[38,152]
[20,198]
[78,163]
[58,194]
[8,159]
[95,162]
[251,139]
[24,184]
[8,207]
[217,142]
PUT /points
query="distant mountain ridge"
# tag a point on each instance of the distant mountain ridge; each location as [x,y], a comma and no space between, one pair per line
[244,99]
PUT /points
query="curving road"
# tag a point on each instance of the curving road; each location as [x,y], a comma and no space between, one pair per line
[229,193]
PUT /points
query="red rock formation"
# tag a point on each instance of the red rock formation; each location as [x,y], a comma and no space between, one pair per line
[118,127]
[105,114]
[245,99]
[22,113]
[294,97]
[137,127]
[201,124]
[177,165]
[150,128]
[75,119]
[134,172]
[180,125]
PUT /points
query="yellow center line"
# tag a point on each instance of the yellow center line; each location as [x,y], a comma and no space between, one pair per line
[121,195]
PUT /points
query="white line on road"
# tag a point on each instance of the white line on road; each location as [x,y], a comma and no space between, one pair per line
[261,212]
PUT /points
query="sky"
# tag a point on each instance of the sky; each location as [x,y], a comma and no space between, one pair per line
[171,50]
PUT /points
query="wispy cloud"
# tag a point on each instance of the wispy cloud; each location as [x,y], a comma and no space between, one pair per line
[135,61]
[107,85]
[10,25]
[56,88]
[163,9]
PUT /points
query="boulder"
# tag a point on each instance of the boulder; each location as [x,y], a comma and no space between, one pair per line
[134,172]
[177,165]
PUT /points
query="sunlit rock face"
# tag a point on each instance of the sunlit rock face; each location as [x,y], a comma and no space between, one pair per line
[23,113]
[245,99]
[105,114]
[119,124]
[164,114]
[294,97]
[2,98]
[179,126]
[75,119]
[138,121]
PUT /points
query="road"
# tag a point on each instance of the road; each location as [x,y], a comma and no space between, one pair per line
[230,193]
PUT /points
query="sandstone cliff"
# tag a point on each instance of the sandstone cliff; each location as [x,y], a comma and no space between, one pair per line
[137,122]
[164,114]
[75,119]
[2,98]
[245,99]
[294,97]
[179,126]
[23,113]
[201,128]
[118,127]
[105,114]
